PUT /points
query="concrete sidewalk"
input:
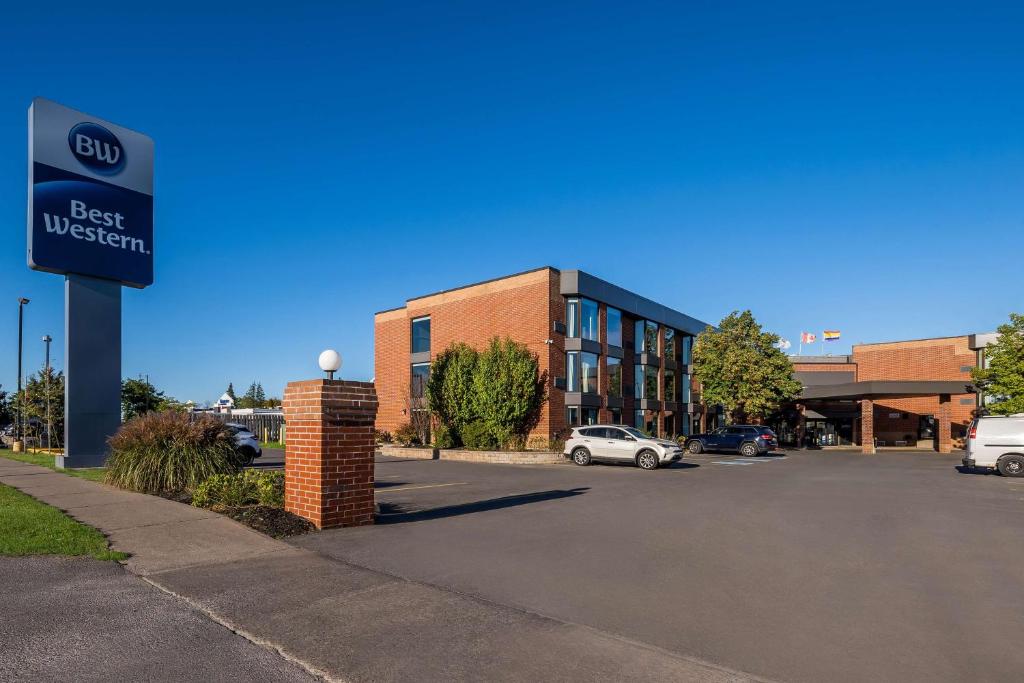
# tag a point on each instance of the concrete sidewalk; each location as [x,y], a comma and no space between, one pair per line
[337,620]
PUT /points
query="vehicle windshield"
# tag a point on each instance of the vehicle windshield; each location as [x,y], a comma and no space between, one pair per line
[636,433]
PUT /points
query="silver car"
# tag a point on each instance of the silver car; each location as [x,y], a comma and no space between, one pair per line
[617,443]
[246,443]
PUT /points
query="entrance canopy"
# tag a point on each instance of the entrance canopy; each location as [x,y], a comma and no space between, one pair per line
[886,389]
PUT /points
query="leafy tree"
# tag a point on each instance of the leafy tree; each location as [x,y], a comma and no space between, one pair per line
[1003,379]
[139,397]
[6,413]
[508,389]
[32,402]
[449,389]
[739,367]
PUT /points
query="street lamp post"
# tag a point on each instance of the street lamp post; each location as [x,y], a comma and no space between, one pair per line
[330,362]
[21,399]
[49,423]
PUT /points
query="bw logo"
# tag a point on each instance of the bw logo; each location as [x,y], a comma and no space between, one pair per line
[96,148]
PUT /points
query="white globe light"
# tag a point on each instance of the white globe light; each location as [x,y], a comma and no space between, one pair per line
[330,361]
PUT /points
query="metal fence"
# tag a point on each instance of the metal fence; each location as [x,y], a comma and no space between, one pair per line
[266,426]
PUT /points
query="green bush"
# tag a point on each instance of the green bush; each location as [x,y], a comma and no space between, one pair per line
[445,437]
[170,452]
[449,390]
[250,487]
[508,389]
[478,436]
[406,435]
[381,436]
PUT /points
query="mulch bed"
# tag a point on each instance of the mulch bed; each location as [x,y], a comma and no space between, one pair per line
[271,521]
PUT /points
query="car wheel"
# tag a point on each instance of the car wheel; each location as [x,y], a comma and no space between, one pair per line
[695,447]
[647,460]
[1012,466]
[581,456]
[247,456]
[748,449]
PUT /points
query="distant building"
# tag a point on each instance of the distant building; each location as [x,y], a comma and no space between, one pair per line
[902,393]
[225,403]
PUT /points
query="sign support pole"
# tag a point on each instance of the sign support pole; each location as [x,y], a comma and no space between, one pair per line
[92,369]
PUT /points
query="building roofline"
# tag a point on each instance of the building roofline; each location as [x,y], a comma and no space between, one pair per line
[473,284]
[904,341]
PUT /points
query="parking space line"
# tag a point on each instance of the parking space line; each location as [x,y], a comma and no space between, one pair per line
[425,486]
[729,462]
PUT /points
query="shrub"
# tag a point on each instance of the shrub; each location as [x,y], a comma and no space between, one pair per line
[449,389]
[250,487]
[508,389]
[407,435]
[169,452]
[478,436]
[445,437]
[538,443]
[380,436]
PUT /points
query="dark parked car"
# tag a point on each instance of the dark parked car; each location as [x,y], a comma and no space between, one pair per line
[748,440]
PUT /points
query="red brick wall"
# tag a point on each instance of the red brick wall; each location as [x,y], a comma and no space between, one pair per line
[824,367]
[521,307]
[925,359]
[329,451]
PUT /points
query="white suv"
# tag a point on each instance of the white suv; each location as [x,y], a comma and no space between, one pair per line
[996,442]
[620,444]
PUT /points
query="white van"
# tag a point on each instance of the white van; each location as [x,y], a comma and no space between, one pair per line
[996,442]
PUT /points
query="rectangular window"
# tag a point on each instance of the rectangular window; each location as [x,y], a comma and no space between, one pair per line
[638,336]
[572,373]
[572,318]
[616,415]
[590,416]
[650,382]
[670,343]
[670,425]
[588,319]
[685,382]
[613,334]
[614,369]
[638,381]
[685,431]
[421,335]
[572,416]
[687,348]
[588,373]
[420,374]
[670,386]
[650,337]
[651,426]
[638,419]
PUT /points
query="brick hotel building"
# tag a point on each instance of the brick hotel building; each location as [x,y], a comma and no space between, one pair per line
[610,355]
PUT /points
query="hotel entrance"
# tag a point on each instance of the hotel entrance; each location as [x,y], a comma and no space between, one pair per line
[829,432]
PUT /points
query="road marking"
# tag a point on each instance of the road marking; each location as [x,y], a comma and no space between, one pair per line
[729,462]
[425,486]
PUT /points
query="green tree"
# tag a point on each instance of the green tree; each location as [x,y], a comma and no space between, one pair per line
[139,397]
[231,392]
[449,389]
[508,389]
[739,367]
[253,397]
[1003,378]
[45,388]
[6,413]
[260,396]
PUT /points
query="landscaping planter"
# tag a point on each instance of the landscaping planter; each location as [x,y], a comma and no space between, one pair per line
[407,452]
[503,457]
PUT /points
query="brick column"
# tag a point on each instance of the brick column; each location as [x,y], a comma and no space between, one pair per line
[867,426]
[328,466]
[945,426]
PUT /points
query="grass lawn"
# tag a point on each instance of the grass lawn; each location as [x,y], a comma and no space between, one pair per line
[44,460]
[272,444]
[28,527]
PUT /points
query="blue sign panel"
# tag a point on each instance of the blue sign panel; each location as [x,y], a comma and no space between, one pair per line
[90,197]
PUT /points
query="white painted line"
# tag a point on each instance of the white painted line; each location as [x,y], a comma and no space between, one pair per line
[728,462]
[425,486]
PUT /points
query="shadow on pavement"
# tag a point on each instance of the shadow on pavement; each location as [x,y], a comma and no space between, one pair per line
[393,513]
[974,470]
[385,484]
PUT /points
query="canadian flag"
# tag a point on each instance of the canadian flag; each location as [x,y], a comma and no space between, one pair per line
[807,338]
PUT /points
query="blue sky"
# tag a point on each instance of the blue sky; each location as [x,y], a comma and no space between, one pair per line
[828,165]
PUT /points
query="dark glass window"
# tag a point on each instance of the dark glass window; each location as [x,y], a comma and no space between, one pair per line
[650,337]
[614,326]
[638,336]
[420,374]
[421,335]
[588,373]
[670,343]
[670,425]
[638,381]
[616,417]
[572,415]
[638,419]
[588,320]
[590,416]
[572,318]
[687,348]
[685,382]
[572,371]
[670,385]
[650,382]
[614,369]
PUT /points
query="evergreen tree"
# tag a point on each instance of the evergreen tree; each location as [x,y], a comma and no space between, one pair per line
[231,392]
[139,397]
[260,396]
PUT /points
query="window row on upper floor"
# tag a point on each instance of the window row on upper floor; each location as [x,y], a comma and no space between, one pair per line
[582,321]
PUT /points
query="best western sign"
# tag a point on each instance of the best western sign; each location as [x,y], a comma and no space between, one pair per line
[90,206]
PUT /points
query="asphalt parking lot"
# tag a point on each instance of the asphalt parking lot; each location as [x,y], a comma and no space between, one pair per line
[798,567]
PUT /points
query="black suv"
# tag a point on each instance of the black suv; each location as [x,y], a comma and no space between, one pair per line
[748,440]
